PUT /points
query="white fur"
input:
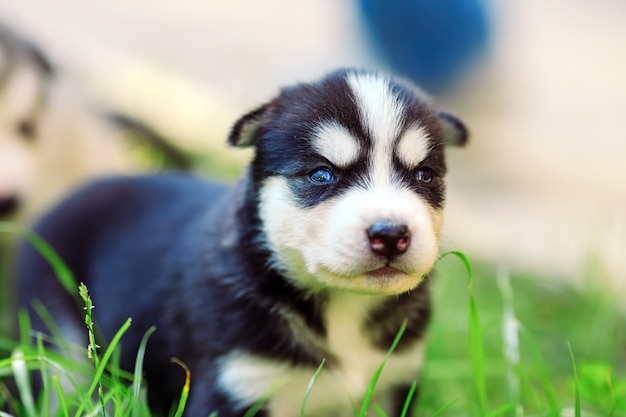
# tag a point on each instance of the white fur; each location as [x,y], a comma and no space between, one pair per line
[327,245]
[17,103]
[381,114]
[73,143]
[336,143]
[249,378]
[413,146]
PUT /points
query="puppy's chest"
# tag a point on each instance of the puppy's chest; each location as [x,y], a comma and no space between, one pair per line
[343,380]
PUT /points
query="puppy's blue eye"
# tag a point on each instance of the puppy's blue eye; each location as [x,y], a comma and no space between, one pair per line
[322,176]
[424,175]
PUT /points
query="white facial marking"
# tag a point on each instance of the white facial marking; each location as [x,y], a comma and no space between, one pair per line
[327,246]
[382,115]
[336,143]
[413,146]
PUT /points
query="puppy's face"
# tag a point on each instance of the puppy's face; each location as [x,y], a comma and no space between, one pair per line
[19,93]
[349,173]
[24,74]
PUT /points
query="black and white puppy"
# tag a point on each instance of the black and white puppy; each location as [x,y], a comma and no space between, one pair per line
[318,252]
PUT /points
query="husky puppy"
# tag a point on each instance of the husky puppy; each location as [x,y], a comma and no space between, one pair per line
[24,74]
[319,252]
[51,138]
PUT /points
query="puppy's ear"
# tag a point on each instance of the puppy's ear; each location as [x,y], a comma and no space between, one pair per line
[454,131]
[40,59]
[247,129]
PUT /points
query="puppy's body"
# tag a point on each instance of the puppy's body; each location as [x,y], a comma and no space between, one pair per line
[319,252]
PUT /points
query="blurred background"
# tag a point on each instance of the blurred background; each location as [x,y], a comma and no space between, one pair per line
[541,86]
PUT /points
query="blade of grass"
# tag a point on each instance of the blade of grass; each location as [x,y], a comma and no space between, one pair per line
[577,409]
[20,375]
[609,382]
[378,409]
[92,348]
[185,392]
[309,387]
[555,409]
[461,256]
[444,408]
[477,354]
[475,336]
[370,389]
[47,319]
[100,369]
[61,396]
[43,370]
[502,409]
[408,399]
[136,385]
[510,340]
[65,276]
[260,403]
[24,328]
[256,407]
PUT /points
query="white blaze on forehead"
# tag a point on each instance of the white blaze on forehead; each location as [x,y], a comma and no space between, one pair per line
[381,110]
[336,143]
[382,116]
[327,245]
[413,146]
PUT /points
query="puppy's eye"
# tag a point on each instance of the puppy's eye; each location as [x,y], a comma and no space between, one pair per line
[424,175]
[27,129]
[322,176]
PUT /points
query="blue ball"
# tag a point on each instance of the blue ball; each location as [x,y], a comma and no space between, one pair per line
[433,42]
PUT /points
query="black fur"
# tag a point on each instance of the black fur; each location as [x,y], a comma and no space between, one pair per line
[189,257]
[281,131]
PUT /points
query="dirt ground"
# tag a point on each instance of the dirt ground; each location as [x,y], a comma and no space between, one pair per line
[543,184]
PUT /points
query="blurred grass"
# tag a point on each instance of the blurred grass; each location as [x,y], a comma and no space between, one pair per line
[549,314]
[500,344]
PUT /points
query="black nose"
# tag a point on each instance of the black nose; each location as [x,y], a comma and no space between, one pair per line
[389,239]
[8,204]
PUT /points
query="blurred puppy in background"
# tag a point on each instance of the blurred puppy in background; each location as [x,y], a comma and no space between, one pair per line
[52,139]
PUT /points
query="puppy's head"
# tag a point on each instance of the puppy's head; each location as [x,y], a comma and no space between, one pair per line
[349,174]
[24,75]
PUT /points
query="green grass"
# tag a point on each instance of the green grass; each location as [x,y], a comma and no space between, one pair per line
[522,364]
[500,344]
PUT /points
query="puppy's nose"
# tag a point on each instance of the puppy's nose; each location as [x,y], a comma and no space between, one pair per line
[389,239]
[8,204]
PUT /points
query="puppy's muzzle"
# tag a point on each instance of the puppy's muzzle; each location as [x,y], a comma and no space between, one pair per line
[389,239]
